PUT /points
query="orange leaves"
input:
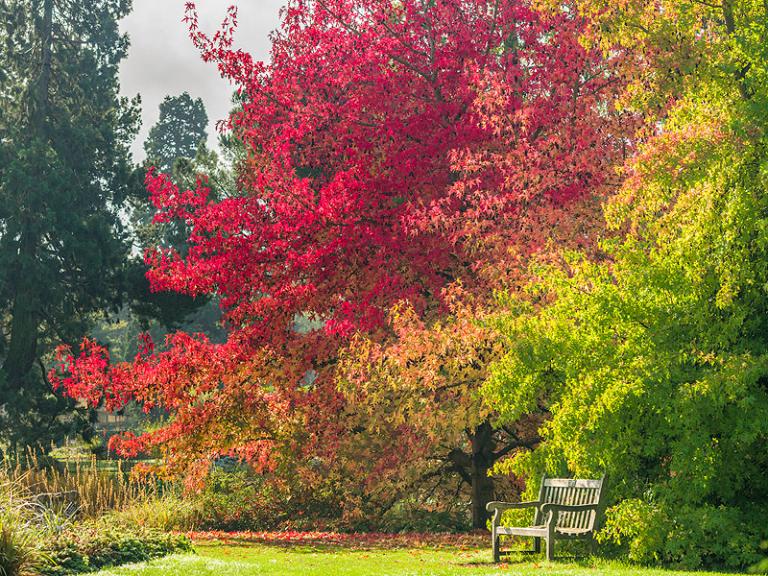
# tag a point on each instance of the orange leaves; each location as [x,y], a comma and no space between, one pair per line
[426,378]
[394,151]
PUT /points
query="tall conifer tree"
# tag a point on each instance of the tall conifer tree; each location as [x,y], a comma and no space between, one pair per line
[64,170]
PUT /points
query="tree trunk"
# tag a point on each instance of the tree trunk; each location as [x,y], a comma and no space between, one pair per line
[40,112]
[482,484]
[25,313]
[22,349]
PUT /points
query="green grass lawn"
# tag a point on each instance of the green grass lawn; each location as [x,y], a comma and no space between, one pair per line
[250,559]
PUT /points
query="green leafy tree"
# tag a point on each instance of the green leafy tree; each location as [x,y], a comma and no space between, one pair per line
[64,171]
[178,133]
[650,361]
[176,145]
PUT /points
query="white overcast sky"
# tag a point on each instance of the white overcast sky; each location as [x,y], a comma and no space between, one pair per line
[162,61]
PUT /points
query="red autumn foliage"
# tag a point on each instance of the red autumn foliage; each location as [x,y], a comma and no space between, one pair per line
[357,541]
[393,149]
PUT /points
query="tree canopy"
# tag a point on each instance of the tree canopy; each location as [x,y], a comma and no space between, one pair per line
[64,170]
[357,202]
[650,361]
[422,283]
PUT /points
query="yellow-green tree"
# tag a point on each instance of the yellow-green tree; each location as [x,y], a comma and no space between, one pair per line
[652,360]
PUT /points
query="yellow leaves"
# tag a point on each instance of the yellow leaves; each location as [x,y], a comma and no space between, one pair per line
[427,376]
[677,171]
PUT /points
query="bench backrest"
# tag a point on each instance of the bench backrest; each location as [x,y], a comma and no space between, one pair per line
[572,492]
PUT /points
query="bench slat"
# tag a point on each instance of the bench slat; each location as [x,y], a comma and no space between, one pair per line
[566,482]
[538,531]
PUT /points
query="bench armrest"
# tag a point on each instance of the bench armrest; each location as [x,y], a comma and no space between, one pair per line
[501,506]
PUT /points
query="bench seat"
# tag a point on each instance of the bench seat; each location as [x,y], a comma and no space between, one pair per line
[541,531]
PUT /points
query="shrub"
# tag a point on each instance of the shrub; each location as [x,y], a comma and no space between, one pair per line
[98,544]
[169,512]
[41,535]
[762,566]
[416,517]
[237,499]
[684,537]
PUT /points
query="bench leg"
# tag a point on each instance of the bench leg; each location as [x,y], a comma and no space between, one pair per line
[592,546]
[550,548]
[537,545]
[495,547]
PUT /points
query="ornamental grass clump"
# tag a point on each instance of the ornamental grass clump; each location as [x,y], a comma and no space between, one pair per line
[20,553]
[84,488]
[59,522]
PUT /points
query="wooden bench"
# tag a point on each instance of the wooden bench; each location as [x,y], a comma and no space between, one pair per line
[566,509]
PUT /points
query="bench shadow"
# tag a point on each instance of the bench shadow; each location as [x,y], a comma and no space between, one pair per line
[513,557]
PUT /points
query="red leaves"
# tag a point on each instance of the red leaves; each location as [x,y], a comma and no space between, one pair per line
[393,149]
[86,378]
[357,540]
[172,203]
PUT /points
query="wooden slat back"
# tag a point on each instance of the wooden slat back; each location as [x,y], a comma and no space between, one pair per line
[571,492]
[573,482]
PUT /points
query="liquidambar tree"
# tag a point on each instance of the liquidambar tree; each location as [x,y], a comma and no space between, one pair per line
[393,149]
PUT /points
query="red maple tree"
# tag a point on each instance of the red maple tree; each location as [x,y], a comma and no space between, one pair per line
[393,148]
